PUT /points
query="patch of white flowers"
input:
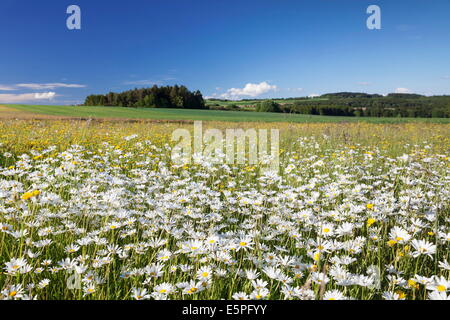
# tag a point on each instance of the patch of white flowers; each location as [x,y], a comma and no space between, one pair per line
[332,224]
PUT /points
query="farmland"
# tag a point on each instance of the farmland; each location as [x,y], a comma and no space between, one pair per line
[97,210]
[27,111]
[254,102]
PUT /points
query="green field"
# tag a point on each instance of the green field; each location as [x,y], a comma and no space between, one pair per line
[206,115]
[223,103]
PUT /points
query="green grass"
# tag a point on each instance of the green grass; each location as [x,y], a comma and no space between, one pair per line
[253,102]
[206,115]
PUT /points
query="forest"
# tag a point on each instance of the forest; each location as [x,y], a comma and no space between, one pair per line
[366,105]
[352,104]
[154,97]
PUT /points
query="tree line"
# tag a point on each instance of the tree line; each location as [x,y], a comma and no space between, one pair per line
[332,104]
[365,105]
[154,97]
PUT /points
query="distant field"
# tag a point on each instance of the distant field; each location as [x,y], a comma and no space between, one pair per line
[253,102]
[27,112]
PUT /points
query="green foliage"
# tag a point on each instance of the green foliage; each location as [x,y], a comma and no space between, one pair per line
[154,97]
[350,95]
[365,105]
[268,106]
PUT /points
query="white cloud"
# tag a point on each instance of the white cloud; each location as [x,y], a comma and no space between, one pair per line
[212,96]
[7,88]
[250,90]
[314,95]
[44,95]
[159,80]
[143,83]
[48,86]
[402,90]
[26,97]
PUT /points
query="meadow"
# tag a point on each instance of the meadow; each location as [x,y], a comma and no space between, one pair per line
[97,210]
[87,112]
[225,103]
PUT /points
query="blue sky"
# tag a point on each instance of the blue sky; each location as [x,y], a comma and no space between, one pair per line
[234,49]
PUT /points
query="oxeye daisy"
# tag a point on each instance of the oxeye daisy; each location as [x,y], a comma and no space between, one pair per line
[244,243]
[334,295]
[43,283]
[164,255]
[438,295]
[140,294]
[192,287]
[164,288]
[72,248]
[14,265]
[439,284]
[327,230]
[204,273]
[399,235]
[393,296]
[259,294]
[423,247]
[89,289]
[240,296]
[14,292]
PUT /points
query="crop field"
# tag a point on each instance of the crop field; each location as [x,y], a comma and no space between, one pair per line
[63,112]
[98,210]
[253,102]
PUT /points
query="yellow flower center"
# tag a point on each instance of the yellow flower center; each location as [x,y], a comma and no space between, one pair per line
[13,293]
[391,242]
[411,283]
[441,288]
